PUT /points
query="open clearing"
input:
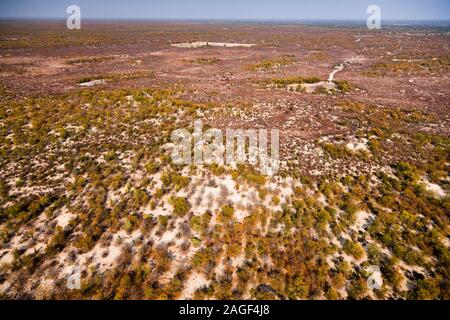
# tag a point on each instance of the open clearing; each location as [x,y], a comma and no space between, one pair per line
[200,44]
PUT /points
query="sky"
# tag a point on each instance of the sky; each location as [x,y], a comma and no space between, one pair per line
[229,9]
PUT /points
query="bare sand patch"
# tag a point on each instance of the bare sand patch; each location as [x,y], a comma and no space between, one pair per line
[195,281]
[434,188]
[92,83]
[204,44]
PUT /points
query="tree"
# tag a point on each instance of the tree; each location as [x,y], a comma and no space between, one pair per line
[57,242]
[180,206]
[354,249]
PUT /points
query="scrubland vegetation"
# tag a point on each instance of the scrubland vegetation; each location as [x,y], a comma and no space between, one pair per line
[300,84]
[273,64]
[203,60]
[283,83]
[116,77]
[84,60]
[103,152]
[410,66]
[87,180]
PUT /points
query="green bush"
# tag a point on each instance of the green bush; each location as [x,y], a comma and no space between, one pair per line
[152,167]
[57,242]
[353,249]
[407,171]
[227,213]
[180,206]
[343,86]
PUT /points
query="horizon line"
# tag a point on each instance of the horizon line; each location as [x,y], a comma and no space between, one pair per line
[216,19]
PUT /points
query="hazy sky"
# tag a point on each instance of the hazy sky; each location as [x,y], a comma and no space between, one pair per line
[229,9]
